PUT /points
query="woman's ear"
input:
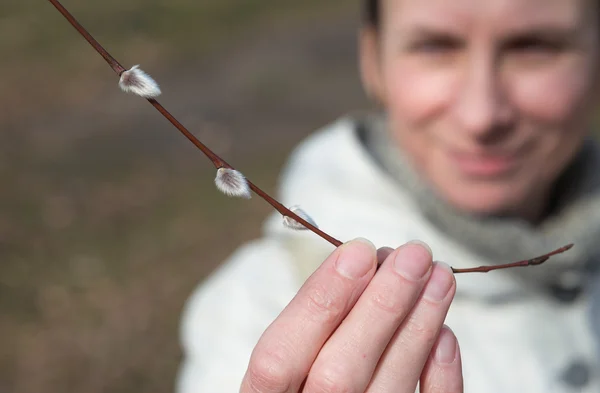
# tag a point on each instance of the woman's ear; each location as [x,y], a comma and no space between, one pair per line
[370,67]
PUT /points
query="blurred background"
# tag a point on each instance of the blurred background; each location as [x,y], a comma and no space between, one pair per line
[109,217]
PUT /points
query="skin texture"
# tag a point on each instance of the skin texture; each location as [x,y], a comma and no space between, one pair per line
[351,330]
[490,100]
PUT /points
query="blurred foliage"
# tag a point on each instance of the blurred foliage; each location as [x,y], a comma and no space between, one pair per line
[31,27]
[108,218]
[157,32]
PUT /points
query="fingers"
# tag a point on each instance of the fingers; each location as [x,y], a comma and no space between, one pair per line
[348,359]
[402,363]
[288,348]
[443,371]
[383,253]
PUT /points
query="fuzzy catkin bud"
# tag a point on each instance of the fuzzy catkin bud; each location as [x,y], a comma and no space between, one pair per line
[293,224]
[232,183]
[138,82]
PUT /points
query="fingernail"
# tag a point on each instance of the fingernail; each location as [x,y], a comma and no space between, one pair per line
[356,259]
[423,244]
[439,283]
[413,261]
[445,353]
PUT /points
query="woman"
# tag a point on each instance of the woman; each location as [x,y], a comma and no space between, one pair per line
[482,152]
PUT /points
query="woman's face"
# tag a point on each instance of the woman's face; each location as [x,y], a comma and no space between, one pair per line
[490,99]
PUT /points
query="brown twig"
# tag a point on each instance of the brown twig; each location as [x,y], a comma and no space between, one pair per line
[218,162]
[527,262]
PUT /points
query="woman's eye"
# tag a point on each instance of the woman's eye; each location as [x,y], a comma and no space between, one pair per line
[535,46]
[535,52]
[434,46]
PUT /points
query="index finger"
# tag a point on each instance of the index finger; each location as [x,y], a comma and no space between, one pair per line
[285,352]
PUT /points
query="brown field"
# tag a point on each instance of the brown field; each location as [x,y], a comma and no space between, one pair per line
[108,217]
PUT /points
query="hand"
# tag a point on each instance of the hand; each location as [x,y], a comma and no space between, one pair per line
[351,330]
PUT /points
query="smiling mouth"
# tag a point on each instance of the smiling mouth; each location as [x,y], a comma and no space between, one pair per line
[483,165]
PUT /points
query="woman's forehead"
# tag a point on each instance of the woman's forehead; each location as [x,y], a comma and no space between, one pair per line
[509,14]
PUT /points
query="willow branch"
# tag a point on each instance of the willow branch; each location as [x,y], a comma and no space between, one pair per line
[527,262]
[218,162]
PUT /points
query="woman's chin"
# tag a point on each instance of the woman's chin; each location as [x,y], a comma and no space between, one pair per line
[485,199]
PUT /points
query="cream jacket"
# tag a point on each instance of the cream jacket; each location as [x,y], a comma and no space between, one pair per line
[512,338]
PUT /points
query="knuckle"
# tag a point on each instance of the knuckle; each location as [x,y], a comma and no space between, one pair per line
[267,372]
[329,381]
[420,331]
[325,305]
[386,300]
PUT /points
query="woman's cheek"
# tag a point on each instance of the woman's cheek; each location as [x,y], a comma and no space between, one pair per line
[417,94]
[553,95]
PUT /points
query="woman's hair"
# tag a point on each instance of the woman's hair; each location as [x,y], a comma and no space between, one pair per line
[371,13]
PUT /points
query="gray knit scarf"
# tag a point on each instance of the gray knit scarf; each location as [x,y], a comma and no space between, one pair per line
[573,218]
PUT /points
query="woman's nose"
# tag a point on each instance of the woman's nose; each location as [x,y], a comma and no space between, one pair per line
[482,107]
